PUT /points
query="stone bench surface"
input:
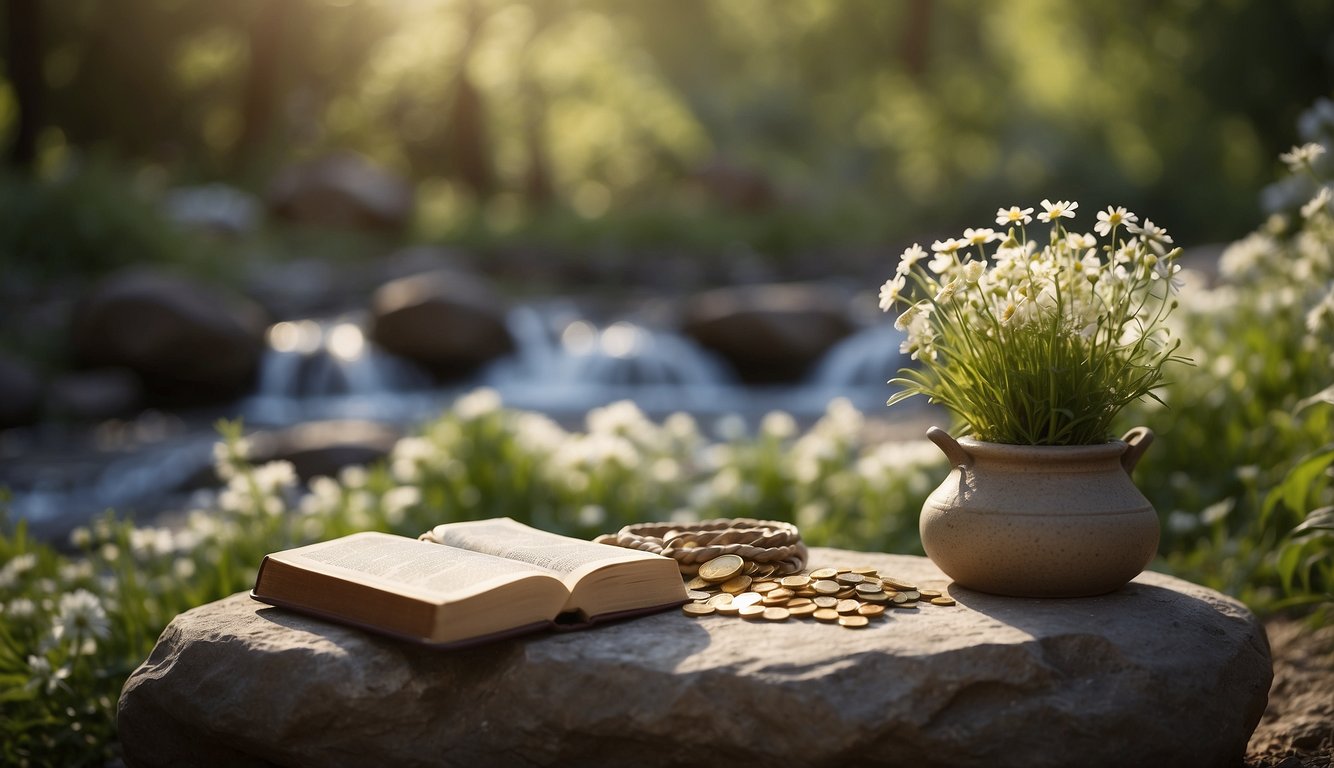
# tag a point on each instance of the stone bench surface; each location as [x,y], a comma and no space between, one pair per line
[1161,672]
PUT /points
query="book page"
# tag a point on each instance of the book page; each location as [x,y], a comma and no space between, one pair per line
[408,563]
[515,541]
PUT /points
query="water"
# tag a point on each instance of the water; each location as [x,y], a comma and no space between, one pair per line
[564,364]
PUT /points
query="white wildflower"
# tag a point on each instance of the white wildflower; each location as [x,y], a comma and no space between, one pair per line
[892,292]
[1013,215]
[1321,316]
[665,470]
[21,608]
[396,502]
[622,417]
[477,404]
[1080,242]
[16,567]
[909,258]
[980,236]
[1112,218]
[353,476]
[730,428]
[947,291]
[80,617]
[778,425]
[973,271]
[949,246]
[1317,204]
[592,516]
[1303,156]
[1060,209]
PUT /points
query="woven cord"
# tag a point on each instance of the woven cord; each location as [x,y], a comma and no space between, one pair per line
[759,541]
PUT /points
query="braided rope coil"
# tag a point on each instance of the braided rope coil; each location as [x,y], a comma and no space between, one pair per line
[762,542]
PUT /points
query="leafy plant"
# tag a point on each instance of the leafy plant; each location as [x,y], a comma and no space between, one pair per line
[1045,345]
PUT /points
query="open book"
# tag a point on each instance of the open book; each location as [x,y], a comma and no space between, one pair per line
[467,582]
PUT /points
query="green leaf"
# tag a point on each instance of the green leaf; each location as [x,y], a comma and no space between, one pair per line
[1288,562]
[1318,519]
[1298,484]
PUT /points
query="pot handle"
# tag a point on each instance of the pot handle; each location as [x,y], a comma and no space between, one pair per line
[1137,440]
[950,447]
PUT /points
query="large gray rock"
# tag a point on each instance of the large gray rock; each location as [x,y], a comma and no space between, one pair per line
[1162,672]
[343,190]
[770,333]
[184,339]
[446,320]
[20,392]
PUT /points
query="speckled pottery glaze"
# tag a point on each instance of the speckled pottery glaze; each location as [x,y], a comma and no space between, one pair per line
[1040,521]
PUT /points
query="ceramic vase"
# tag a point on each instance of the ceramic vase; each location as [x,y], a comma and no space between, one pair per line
[1040,521]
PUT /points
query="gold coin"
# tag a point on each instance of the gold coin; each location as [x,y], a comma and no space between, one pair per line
[901,598]
[806,592]
[853,622]
[776,614]
[752,612]
[826,587]
[781,592]
[797,602]
[773,598]
[825,614]
[695,594]
[737,584]
[751,567]
[697,609]
[802,610]
[850,578]
[843,569]
[847,606]
[929,593]
[942,600]
[765,570]
[824,573]
[746,598]
[845,593]
[913,594]
[867,588]
[795,582]
[727,609]
[873,597]
[718,600]
[697,583]
[721,568]
[825,601]
[870,610]
[864,570]
[762,586]
[901,586]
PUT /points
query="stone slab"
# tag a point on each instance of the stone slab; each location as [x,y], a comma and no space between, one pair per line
[1161,672]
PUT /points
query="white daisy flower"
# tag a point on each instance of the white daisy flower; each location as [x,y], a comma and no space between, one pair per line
[1302,156]
[1058,210]
[1316,204]
[892,292]
[1112,218]
[1013,215]
[979,236]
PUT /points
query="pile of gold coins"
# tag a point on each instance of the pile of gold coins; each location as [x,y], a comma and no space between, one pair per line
[850,597]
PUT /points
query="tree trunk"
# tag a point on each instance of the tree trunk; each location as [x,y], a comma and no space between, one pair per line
[24,23]
[259,100]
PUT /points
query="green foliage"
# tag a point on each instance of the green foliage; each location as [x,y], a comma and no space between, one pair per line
[85,223]
[1235,425]
[932,109]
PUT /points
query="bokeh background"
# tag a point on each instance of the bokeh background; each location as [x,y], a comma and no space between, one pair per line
[275,271]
